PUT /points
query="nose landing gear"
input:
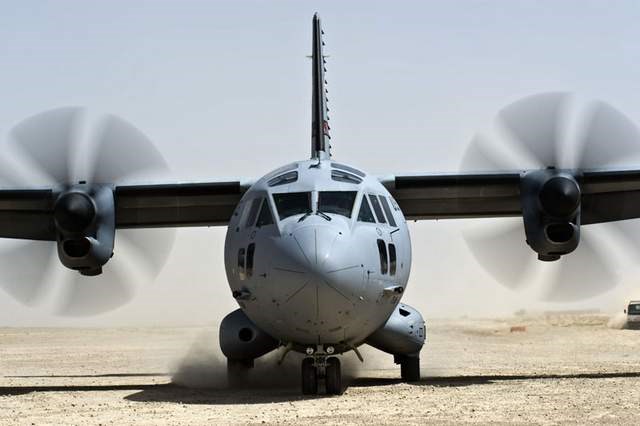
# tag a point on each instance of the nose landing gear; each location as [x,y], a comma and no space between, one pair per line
[321,367]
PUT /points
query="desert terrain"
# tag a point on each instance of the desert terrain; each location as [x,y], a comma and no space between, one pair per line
[562,369]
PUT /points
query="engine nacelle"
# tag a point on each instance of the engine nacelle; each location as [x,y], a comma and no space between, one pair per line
[404,333]
[240,339]
[551,212]
[84,216]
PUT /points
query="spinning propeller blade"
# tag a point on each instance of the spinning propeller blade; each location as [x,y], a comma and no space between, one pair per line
[48,143]
[538,127]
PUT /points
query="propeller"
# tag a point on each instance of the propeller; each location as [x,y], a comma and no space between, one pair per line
[548,131]
[49,145]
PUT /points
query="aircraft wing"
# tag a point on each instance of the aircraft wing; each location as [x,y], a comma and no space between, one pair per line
[606,195]
[187,204]
[29,213]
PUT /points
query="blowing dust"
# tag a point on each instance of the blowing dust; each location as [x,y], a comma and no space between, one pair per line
[205,366]
[618,321]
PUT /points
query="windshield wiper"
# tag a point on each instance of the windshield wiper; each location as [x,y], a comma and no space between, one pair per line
[324,216]
[306,215]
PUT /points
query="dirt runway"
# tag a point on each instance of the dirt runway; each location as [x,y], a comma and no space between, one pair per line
[561,369]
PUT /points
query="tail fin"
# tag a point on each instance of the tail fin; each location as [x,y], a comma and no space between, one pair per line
[320,147]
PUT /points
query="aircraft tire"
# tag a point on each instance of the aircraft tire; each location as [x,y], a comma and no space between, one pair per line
[309,377]
[410,369]
[333,378]
[238,371]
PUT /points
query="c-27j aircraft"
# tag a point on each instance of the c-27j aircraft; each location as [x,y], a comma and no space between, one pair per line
[317,252]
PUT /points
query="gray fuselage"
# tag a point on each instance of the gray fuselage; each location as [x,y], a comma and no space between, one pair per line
[308,263]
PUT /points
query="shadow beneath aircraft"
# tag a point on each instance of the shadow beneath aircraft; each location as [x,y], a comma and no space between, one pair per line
[183,395]
[22,390]
[457,381]
[161,392]
[73,376]
[173,393]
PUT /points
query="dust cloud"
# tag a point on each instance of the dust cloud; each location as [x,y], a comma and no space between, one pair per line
[205,366]
[618,321]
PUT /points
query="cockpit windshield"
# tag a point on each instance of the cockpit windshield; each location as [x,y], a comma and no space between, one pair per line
[292,203]
[634,308]
[337,202]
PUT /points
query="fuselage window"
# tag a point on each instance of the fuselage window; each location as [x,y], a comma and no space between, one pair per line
[249,266]
[338,202]
[366,215]
[392,259]
[292,203]
[265,217]
[387,210]
[284,179]
[382,249]
[241,272]
[253,212]
[342,176]
[376,208]
[348,168]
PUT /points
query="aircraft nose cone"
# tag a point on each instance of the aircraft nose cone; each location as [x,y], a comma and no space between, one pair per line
[315,244]
[319,278]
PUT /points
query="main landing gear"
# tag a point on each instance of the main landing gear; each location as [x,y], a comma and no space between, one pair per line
[409,367]
[238,372]
[319,368]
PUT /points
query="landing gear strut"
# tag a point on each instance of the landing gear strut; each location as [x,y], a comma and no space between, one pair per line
[318,367]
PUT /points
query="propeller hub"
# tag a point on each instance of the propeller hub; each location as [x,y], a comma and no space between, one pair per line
[74,211]
[560,196]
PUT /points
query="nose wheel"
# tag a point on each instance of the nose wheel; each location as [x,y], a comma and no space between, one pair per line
[320,368]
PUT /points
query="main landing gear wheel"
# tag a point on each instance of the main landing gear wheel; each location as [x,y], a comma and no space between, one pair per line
[333,377]
[309,377]
[410,368]
[238,371]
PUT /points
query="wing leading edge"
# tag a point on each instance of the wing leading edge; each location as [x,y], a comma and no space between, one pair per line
[29,213]
[606,195]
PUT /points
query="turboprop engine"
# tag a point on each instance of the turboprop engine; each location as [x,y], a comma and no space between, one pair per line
[83,163]
[84,218]
[241,340]
[551,212]
[565,141]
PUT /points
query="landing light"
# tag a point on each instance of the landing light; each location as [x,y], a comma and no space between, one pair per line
[330,349]
[310,350]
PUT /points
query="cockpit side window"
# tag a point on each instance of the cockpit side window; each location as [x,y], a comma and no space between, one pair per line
[337,202]
[387,210]
[366,215]
[265,217]
[253,212]
[292,203]
[376,207]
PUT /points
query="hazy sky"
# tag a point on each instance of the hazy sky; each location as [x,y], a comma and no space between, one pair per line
[223,89]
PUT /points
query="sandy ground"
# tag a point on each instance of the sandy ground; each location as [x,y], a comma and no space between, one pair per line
[562,369]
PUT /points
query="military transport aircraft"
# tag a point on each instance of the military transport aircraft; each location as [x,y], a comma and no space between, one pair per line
[317,252]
